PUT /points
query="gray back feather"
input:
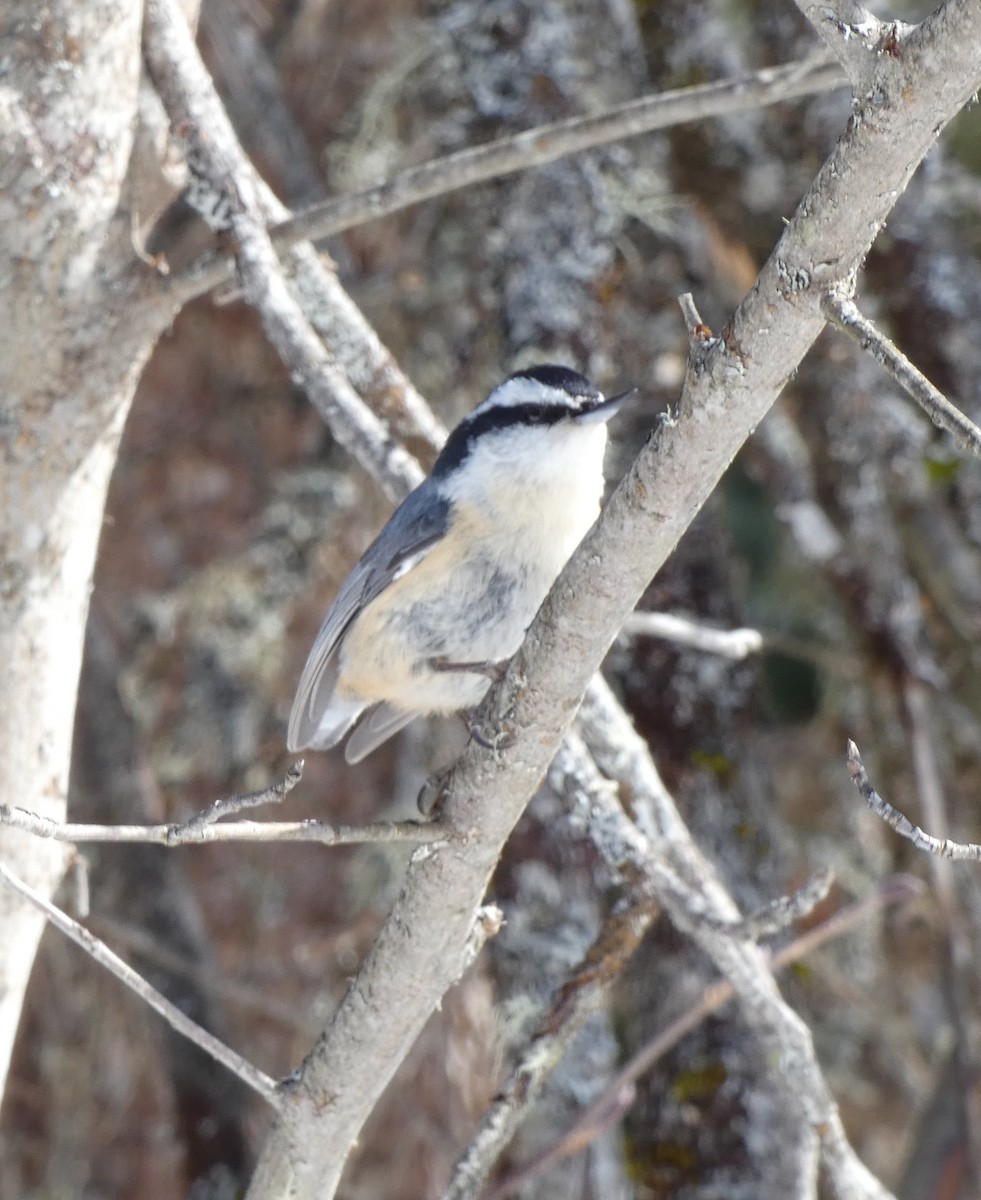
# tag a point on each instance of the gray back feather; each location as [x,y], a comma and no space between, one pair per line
[413,529]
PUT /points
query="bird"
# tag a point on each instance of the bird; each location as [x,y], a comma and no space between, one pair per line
[442,598]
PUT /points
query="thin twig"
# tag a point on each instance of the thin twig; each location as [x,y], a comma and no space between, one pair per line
[698,331]
[196,834]
[775,917]
[261,1083]
[230,805]
[618,1094]
[533,147]
[959,851]
[841,311]
[736,644]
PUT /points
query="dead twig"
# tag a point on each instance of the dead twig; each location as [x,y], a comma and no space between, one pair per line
[736,644]
[197,833]
[531,148]
[944,847]
[260,1083]
[842,312]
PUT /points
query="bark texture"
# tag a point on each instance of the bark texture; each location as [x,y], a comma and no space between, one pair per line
[75,341]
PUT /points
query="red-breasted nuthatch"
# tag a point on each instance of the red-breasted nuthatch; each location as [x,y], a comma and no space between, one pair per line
[450,585]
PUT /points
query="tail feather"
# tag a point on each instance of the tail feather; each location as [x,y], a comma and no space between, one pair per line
[320,718]
[384,722]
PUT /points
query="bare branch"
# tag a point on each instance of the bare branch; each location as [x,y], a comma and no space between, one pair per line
[775,917]
[841,311]
[698,332]
[579,997]
[703,915]
[197,833]
[736,644]
[97,949]
[193,107]
[618,1095]
[236,804]
[944,847]
[533,147]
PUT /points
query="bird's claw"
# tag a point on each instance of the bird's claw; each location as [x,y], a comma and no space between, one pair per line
[495,671]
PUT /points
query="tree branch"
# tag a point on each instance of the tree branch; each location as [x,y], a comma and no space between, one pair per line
[97,949]
[197,834]
[850,32]
[193,106]
[841,311]
[736,644]
[944,847]
[230,805]
[532,148]
[618,1096]
[706,914]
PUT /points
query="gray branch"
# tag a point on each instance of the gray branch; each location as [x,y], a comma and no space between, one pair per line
[196,833]
[533,147]
[736,644]
[841,311]
[192,105]
[97,949]
[852,34]
[943,847]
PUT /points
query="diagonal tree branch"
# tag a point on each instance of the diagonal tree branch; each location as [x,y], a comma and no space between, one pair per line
[217,1049]
[708,915]
[531,148]
[416,954]
[842,312]
[193,106]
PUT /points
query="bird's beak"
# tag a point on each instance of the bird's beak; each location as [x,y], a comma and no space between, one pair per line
[606,410]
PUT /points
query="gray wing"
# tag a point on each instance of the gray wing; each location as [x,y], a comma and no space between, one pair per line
[380,724]
[411,532]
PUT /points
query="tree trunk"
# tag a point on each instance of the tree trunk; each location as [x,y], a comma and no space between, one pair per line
[77,330]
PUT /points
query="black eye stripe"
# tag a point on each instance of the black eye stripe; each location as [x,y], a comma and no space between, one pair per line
[461,440]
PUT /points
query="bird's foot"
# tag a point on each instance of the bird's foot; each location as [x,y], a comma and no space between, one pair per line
[495,671]
[504,739]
